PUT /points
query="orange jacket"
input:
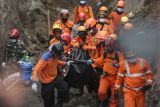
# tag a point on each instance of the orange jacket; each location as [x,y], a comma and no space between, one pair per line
[108,62]
[46,68]
[86,9]
[135,76]
[115,17]
[67,27]
[76,41]
[54,40]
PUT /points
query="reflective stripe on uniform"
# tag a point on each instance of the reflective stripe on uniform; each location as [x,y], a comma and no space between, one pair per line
[128,74]
[134,75]
[127,67]
[121,75]
[136,89]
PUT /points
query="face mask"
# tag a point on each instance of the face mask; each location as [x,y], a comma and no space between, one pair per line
[120,10]
[82,2]
[64,19]
[132,60]
[91,31]
[102,20]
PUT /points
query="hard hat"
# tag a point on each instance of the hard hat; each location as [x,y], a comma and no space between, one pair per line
[103,8]
[109,44]
[90,22]
[128,26]
[56,26]
[81,16]
[81,29]
[120,3]
[14,33]
[114,36]
[64,12]
[57,48]
[124,19]
[66,37]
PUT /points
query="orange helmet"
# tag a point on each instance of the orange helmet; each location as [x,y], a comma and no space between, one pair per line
[66,37]
[90,22]
[128,26]
[120,3]
[81,16]
[103,8]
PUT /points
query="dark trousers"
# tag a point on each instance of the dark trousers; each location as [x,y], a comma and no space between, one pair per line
[47,91]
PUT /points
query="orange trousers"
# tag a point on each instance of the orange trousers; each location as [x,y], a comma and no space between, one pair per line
[134,98]
[106,83]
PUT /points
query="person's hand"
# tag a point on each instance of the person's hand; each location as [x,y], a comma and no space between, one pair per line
[89,62]
[146,88]
[116,95]
[34,87]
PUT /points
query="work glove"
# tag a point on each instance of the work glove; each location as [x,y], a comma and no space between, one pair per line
[116,95]
[89,62]
[69,63]
[146,88]
[34,87]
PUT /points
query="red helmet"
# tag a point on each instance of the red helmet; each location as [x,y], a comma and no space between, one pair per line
[110,44]
[14,33]
[81,16]
[66,37]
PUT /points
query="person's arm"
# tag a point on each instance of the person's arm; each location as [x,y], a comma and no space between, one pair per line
[39,67]
[149,74]
[99,61]
[75,14]
[120,76]
[91,12]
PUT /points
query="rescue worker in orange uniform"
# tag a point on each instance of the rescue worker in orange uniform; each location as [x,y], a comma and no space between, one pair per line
[64,22]
[103,24]
[65,41]
[91,27]
[56,32]
[110,61]
[137,77]
[46,70]
[83,7]
[115,16]
[80,22]
[82,40]
[104,10]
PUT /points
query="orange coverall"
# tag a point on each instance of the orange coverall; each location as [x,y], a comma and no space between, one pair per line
[134,76]
[115,17]
[109,80]
[46,68]
[86,9]
[67,27]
